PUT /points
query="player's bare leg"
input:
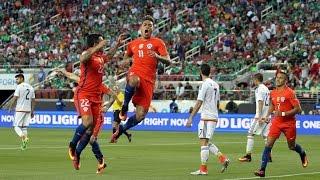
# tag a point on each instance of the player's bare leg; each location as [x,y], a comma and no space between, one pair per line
[265,156]
[132,84]
[296,147]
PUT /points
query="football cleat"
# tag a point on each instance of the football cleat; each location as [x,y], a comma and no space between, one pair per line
[225,165]
[71,151]
[101,166]
[260,173]
[304,160]
[24,143]
[129,137]
[199,172]
[246,158]
[123,113]
[76,162]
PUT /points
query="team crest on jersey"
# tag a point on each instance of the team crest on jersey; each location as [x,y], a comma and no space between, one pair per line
[149,46]
[282,99]
[85,109]
[141,46]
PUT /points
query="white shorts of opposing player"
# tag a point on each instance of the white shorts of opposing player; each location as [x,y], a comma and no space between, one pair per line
[21,122]
[206,129]
[260,130]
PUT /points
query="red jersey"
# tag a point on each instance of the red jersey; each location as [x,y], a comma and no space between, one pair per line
[284,100]
[143,65]
[91,76]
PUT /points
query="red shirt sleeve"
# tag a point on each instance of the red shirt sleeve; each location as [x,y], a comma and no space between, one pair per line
[162,49]
[105,89]
[129,50]
[293,98]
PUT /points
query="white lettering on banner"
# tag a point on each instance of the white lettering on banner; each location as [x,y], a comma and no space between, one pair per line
[55,119]
[311,124]
[155,121]
[8,82]
[107,120]
[178,122]
[297,124]
[223,123]
[7,118]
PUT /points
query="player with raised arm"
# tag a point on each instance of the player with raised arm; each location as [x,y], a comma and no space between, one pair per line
[284,106]
[146,51]
[208,99]
[87,97]
[24,98]
[258,126]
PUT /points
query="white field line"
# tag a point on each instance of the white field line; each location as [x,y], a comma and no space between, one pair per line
[280,176]
[9,147]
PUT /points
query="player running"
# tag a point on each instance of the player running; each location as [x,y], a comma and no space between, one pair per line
[284,106]
[87,97]
[208,98]
[258,126]
[24,98]
[145,51]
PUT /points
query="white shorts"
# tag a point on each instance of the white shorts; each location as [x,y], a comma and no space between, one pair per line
[22,119]
[257,129]
[206,129]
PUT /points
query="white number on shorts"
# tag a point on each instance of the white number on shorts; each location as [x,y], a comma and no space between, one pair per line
[84,103]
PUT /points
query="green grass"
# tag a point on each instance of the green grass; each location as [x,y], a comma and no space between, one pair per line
[151,155]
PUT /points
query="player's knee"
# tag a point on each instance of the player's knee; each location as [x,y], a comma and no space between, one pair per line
[291,147]
[87,121]
[134,81]
[140,116]
[250,136]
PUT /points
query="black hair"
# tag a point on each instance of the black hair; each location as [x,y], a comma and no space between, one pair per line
[20,75]
[92,39]
[258,76]
[148,18]
[205,69]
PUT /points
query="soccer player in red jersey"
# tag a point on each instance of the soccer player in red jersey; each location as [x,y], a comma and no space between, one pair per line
[145,51]
[284,106]
[87,97]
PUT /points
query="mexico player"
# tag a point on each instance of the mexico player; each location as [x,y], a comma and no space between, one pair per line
[145,51]
[87,97]
[24,98]
[208,98]
[258,126]
[284,106]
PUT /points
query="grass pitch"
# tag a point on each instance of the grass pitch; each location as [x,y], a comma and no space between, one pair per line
[151,155]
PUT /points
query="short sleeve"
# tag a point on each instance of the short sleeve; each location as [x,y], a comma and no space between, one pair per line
[129,50]
[293,99]
[260,94]
[162,49]
[17,91]
[105,89]
[33,94]
[202,92]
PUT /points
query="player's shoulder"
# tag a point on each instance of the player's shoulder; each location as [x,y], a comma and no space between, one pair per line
[156,40]
[290,91]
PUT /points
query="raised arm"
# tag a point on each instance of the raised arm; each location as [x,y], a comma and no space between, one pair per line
[114,49]
[86,55]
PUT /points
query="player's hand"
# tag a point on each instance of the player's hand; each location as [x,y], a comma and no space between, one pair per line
[189,122]
[121,38]
[277,113]
[104,109]
[92,139]
[102,44]
[60,71]
[153,54]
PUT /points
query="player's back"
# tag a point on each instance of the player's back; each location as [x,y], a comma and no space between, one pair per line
[262,93]
[91,75]
[25,94]
[144,65]
[210,95]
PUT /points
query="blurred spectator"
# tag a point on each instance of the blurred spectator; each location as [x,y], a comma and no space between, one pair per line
[173,106]
[232,107]
[60,105]
[180,91]
[41,75]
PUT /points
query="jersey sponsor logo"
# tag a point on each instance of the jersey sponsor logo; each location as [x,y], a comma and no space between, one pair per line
[149,46]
